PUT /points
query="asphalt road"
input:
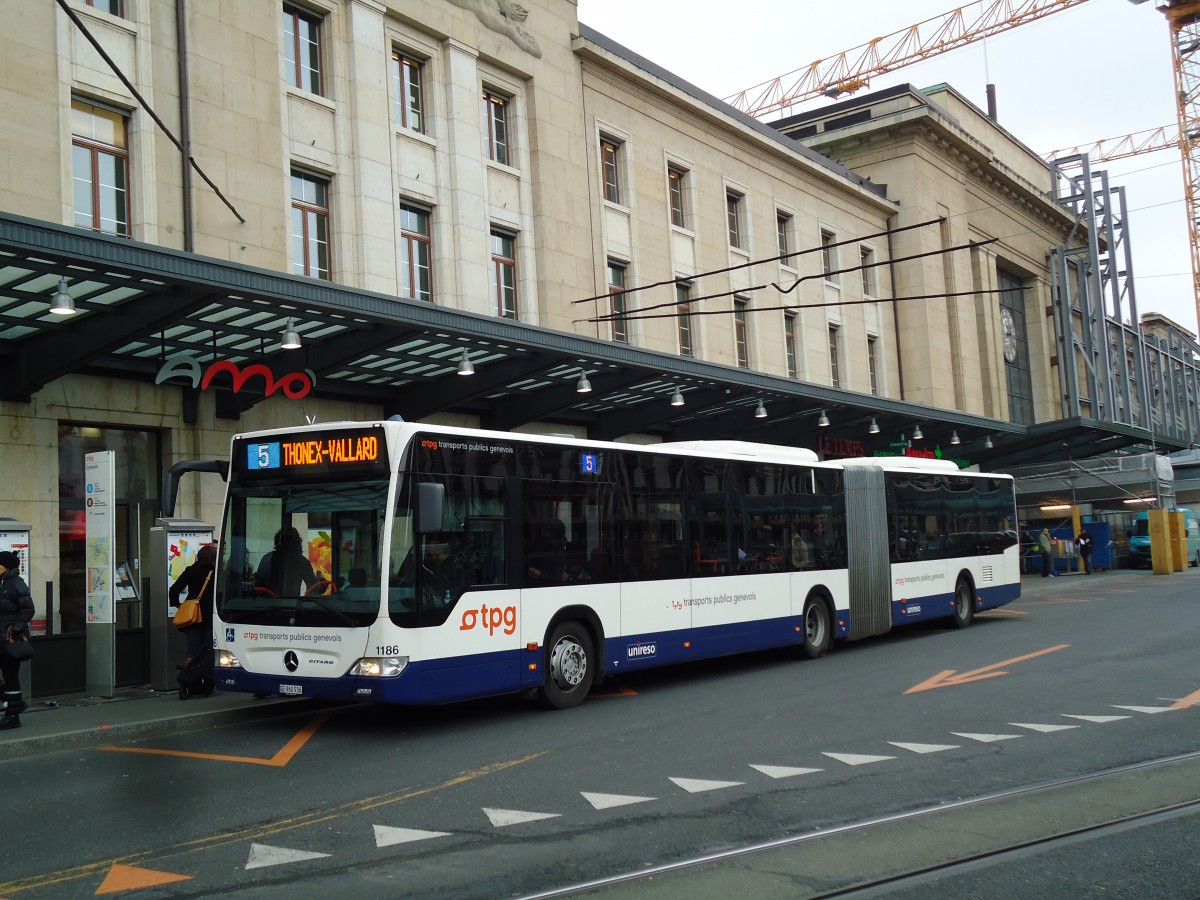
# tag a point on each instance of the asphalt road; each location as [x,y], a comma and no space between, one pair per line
[498,798]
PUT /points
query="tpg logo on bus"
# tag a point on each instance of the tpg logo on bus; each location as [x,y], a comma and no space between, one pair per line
[491,618]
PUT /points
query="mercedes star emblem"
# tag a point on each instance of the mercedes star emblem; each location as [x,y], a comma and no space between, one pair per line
[291,661]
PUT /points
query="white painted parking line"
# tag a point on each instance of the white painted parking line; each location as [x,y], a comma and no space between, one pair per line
[698,786]
[1099,720]
[986,738]
[925,748]
[856,759]
[386,836]
[783,771]
[608,801]
[1044,729]
[502,818]
[262,855]
[1144,709]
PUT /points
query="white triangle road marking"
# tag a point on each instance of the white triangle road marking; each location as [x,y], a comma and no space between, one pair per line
[783,771]
[608,801]
[856,759]
[502,817]
[1099,720]
[986,738]
[925,748]
[386,836]
[262,855]
[1144,709]
[1044,729]
[697,785]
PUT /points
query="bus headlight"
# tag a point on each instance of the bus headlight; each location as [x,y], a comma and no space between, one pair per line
[379,666]
[226,660]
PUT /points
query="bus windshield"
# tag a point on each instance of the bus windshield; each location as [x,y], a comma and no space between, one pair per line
[304,554]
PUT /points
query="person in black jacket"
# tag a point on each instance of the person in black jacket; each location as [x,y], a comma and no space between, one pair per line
[197,581]
[16,612]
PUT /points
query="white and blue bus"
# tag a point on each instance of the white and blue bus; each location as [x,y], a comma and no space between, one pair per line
[407,563]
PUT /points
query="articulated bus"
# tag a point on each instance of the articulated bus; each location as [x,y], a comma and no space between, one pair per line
[405,563]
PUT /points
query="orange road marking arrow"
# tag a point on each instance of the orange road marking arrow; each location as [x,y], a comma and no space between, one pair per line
[282,758]
[130,878]
[614,692]
[951,677]
[1192,699]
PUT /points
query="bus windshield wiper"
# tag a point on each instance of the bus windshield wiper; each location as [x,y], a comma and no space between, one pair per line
[336,613]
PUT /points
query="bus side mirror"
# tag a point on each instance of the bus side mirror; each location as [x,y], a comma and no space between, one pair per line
[430,497]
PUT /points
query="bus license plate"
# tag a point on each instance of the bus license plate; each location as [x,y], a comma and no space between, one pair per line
[293,689]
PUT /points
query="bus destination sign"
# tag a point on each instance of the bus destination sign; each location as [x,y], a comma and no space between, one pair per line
[318,452]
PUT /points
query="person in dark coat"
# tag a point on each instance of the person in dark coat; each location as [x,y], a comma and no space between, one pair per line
[286,571]
[197,581]
[16,612]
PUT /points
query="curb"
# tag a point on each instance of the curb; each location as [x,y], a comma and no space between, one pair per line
[83,738]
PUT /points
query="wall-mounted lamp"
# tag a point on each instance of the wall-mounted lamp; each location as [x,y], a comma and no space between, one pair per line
[761,411]
[677,398]
[917,436]
[874,429]
[465,366]
[823,422]
[63,303]
[291,340]
[987,444]
[954,438]
[583,386]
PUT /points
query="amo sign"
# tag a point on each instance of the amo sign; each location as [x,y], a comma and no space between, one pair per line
[294,385]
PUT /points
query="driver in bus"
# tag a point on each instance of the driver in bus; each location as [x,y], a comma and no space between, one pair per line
[285,571]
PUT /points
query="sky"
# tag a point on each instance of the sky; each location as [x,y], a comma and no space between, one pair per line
[1098,70]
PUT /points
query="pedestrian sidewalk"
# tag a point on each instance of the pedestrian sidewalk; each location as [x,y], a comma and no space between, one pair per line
[77,721]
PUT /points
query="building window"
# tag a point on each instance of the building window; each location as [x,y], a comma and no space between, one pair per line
[866,259]
[504,275]
[310,225]
[873,363]
[416,273]
[733,215]
[495,113]
[676,183]
[99,168]
[302,49]
[609,169]
[616,294]
[683,297]
[783,228]
[789,345]
[108,6]
[408,104]
[1015,346]
[829,261]
[741,337]
[835,376]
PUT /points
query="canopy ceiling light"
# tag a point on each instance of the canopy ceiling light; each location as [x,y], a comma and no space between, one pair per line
[677,398]
[917,434]
[465,366]
[761,411]
[874,429]
[583,386]
[954,438]
[63,303]
[987,444]
[291,340]
[823,422]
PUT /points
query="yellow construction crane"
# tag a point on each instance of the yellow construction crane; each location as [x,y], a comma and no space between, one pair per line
[853,69]
[1165,137]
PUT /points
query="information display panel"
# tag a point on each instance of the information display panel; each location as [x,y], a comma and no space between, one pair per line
[341,453]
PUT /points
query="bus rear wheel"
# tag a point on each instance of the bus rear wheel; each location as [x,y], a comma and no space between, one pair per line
[964,604]
[569,669]
[817,630]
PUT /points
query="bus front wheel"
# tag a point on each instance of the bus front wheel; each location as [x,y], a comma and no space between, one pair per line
[817,630]
[570,667]
[964,604]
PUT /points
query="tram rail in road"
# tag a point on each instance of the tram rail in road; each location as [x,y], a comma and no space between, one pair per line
[974,832]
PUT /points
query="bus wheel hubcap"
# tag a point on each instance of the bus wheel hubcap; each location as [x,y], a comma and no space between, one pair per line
[568,663]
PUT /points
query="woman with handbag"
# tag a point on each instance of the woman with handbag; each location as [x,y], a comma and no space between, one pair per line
[197,581]
[16,612]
